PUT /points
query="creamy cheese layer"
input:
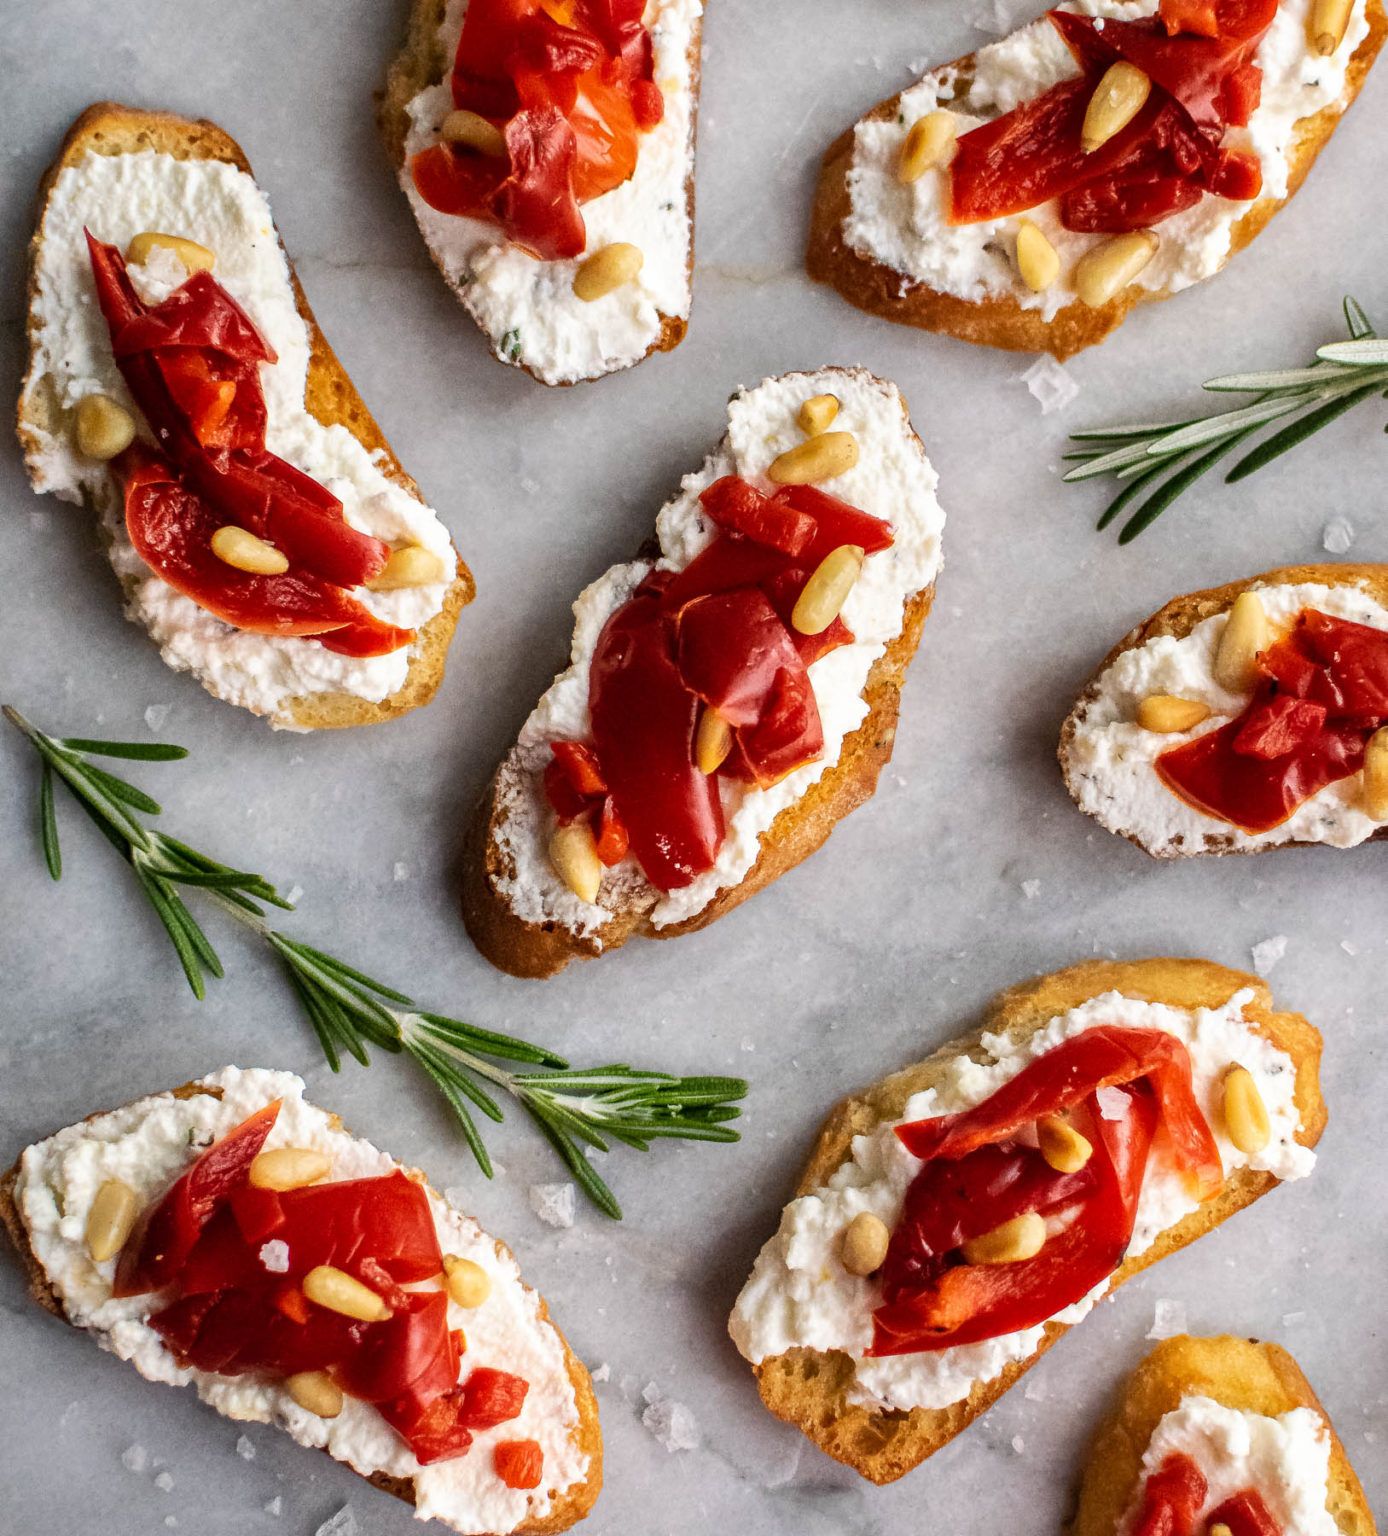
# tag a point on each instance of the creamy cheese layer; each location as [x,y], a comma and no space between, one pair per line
[1287,1459]
[800,1294]
[906,228]
[1109,765]
[116,197]
[147,1144]
[528,308]
[893,480]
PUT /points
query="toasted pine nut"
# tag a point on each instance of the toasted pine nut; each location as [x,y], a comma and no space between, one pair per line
[413,566]
[817,414]
[197,258]
[1164,713]
[1105,270]
[110,1219]
[574,856]
[316,1391]
[1037,262]
[289,1168]
[1329,20]
[1021,1238]
[712,741]
[864,1244]
[930,142]
[476,132]
[468,1284]
[817,458]
[104,428]
[1245,634]
[1116,101]
[1245,1114]
[340,1292]
[1062,1145]
[1376,775]
[241,549]
[1220,1529]
[606,270]
[827,590]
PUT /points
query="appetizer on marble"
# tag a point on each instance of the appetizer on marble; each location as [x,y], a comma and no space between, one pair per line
[732,694]
[232,1236]
[263,531]
[1030,194]
[958,1217]
[1244,717]
[1216,1435]
[547,150]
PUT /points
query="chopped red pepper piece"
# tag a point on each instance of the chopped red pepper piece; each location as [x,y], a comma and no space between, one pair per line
[1246,1514]
[732,645]
[741,508]
[1199,17]
[581,767]
[519,1463]
[610,836]
[1172,1498]
[492,1397]
[836,523]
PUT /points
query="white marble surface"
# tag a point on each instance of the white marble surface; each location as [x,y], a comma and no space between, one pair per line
[888,942]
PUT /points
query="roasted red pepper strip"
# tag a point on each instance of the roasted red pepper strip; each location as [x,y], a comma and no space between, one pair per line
[1246,1514]
[734,504]
[732,645]
[1172,1498]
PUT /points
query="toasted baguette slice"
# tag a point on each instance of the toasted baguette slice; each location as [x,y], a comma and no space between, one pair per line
[230,664]
[29,1219]
[1238,1373]
[519,913]
[810,1387]
[527,309]
[1007,314]
[1107,757]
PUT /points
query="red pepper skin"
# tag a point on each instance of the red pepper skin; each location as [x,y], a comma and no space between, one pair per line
[1198,17]
[741,508]
[789,733]
[1172,1499]
[836,523]
[519,1463]
[1246,1514]
[259,1213]
[610,835]
[492,1397]
[581,767]
[731,647]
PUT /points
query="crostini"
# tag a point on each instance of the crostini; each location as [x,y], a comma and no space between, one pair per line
[732,694]
[1029,195]
[231,1236]
[547,151]
[960,1216]
[263,531]
[1244,717]
[1219,1432]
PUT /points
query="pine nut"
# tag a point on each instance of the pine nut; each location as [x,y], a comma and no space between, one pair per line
[1245,634]
[316,1391]
[929,143]
[469,1284]
[574,856]
[238,548]
[1329,21]
[817,414]
[289,1168]
[827,590]
[817,458]
[1021,1238]
[462,127]
[712,742]
[1103,272]
[1166,714]
[340,1292]
[1037,261]
[104,428]
[1376,775]
[195,257]
[1245,1114]
[413,566]
[864,1244]
[1116,101]
[1220,1529]
[606,270]
[110,1219]
[1061,1144]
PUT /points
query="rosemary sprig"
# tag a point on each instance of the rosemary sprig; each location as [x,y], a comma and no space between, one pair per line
[574,1109]
[1161,460]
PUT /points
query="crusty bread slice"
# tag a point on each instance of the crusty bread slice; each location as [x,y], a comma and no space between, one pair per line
[1002,321]
[572,1505]
[808,1388]
[421,63]
[1239,1373]
[1177,619]
[108,128]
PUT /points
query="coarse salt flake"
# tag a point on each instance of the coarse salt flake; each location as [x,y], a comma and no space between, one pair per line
[1169,1319]
[1337,535]
[343,1523]
[1050,385]
[1267,952]
[553,1203]
[274,1255]
[245,1449]
[670,1422]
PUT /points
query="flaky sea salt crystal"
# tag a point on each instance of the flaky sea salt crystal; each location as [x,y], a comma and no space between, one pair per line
[1031,888]
[156,715]
[401,871]
[1018,1444]
[134,1458]
[294,895]
[670,1422]
[1267,952]
[245,1449]
[1050,385]
[164,1482]
[1337,535]
[274,1255]
[553,1203]
[1169,1319]
[1291,1319]
[1036,1390]
[1349,946]
[343,1523]
[275,1506]
[603,1372]
[993,17]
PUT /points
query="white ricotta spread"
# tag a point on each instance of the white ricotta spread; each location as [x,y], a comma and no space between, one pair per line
[147,1144]
[906,228]
[528,308]
[116,197]
[1109,766]
[801,1295]
[1287,1459]
[892,480]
